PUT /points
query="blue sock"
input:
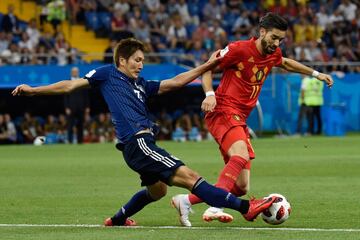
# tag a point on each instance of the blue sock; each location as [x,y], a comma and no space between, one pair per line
[136,203]
[217,197]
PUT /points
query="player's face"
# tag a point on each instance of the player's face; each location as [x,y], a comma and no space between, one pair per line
[270,40]
[133,66]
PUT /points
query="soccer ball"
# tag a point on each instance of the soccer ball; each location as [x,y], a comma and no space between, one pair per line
[40,140]
[278,212]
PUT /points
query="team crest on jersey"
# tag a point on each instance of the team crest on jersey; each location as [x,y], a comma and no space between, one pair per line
[140,88]
[236,117]
[259,75]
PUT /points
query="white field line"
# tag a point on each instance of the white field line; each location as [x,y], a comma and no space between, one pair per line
[186,228]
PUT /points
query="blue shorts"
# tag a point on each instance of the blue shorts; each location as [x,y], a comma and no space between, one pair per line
[151,162]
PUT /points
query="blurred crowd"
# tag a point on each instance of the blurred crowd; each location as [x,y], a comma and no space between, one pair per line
[178,126]
[320,31]
[29,43]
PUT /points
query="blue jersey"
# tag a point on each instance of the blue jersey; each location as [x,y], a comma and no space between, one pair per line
[126,99]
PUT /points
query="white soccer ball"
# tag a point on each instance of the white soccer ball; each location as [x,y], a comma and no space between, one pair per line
[40,140]
[278,212]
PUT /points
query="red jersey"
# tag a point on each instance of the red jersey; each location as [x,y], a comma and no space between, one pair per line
[244,72]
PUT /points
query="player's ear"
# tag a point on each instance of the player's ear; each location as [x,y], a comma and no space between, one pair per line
[262,32]
[122,61]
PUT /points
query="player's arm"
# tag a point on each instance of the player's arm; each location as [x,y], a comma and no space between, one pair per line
[187,77]
[209,102]
[294,66]
[62,87]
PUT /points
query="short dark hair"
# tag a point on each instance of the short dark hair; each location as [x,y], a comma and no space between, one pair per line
[127,47]
[273,20]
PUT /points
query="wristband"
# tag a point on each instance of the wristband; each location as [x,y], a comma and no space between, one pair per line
[315,74]
[210,93]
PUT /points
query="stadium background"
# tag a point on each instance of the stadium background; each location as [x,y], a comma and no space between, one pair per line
[51,36]
[39,188]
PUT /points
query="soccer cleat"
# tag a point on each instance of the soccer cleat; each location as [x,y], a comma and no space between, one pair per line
[183,206]
[129,222]
[257,206]
[213,213]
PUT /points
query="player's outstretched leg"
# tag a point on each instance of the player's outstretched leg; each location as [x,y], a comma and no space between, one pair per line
[219,198]
[216,197]
[183,206]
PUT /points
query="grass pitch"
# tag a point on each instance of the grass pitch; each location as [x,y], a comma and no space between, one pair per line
[72,185]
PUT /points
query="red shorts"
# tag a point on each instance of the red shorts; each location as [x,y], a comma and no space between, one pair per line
[227,129]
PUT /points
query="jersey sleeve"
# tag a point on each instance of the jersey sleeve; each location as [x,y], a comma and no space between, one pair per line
[152,87]
[230,54]
[97,76]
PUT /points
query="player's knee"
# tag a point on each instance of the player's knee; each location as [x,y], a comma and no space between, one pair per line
[191,178]
[158,194]
[157,191]
[185,177]
[239,149]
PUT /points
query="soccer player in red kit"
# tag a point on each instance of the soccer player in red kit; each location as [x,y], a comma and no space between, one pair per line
[245,66]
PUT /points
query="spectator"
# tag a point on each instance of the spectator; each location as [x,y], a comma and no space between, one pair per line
[323,17]
[25,42]
[42,57]
[182,8]
[76,105]
[3,131]
[303,110]
[33,32]
[119,28]
[86,6]
[211,11]
[4,43]
[108,54]
[312,92]
[30,128]
[242,24]
[89,129]
[13,54]
[26,57]
[142,32]
[56,13]
[152,5]
[51,128]
[177,35]
[348,10]
[122,6]
[103,129]
[11,129]
[62,128]
[165,122]
[197,53]
[10,22]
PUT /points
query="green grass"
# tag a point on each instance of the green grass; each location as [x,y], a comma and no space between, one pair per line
[65,184]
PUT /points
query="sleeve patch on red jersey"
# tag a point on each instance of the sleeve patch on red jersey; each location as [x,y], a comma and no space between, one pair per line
[224,51]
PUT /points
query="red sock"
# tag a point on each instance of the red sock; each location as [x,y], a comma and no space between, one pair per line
[194,199]
[230,173]
[225,181]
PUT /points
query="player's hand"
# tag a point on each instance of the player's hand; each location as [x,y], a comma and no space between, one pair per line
[326,78]
[215,57]
[23,90]
[208,104]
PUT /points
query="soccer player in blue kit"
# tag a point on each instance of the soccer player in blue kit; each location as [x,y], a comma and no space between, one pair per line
[125,94]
